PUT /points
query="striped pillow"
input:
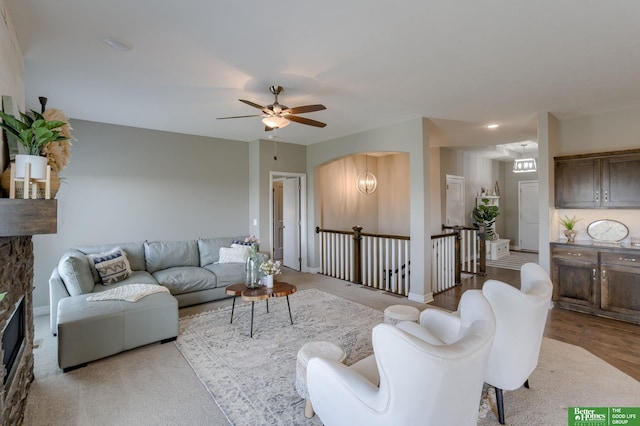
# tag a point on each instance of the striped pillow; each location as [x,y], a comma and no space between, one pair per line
[112,266]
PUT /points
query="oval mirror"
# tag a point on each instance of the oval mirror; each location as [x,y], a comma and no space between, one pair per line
[607,230]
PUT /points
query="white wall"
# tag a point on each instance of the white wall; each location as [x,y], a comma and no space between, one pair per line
[342,206]
[394,194]
[509,200]
[128,184]
[11,69]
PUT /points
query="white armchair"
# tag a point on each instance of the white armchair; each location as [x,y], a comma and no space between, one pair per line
[410,380]
[521,316]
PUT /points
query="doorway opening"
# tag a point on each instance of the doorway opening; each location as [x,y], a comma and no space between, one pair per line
[287,218]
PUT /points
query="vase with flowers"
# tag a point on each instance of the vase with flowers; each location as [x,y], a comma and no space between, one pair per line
[253,277]
[270,268]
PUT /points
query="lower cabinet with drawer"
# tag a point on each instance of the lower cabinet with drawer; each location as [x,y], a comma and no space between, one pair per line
[597,280]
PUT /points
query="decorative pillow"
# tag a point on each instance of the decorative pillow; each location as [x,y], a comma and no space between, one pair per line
[233,254]
[112,266]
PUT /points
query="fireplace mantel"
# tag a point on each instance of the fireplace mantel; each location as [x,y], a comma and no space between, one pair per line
[19,221]
[28,217]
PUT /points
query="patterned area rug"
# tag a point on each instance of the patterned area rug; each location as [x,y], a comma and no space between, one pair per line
[514,261]
[252,379]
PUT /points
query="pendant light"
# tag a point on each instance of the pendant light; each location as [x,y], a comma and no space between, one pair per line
[366,182]
[524,165]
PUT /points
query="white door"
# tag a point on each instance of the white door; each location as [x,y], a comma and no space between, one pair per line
[454,201]
[529,222]
[291,224]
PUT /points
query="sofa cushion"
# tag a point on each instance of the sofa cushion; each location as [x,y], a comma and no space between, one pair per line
[185,279]
[135,253]
[234,254]
[210,248]
[136,277]
[75,271]
[112,266]
[228,273]
[168,254]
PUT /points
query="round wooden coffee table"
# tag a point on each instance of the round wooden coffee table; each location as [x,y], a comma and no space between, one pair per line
[234,290]
[279,289]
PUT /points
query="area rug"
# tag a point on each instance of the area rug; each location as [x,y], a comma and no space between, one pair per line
[566,376]
[253,379]
[514,261]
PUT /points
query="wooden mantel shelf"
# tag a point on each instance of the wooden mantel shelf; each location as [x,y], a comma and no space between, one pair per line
[28,217]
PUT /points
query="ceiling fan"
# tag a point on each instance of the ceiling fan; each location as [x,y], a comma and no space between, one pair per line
[277,116]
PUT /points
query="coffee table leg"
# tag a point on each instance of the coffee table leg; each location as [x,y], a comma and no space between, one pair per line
[251,335]
[233,307]
[267,305]
[289,306]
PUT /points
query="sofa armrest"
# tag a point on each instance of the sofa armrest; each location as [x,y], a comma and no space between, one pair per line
[57,292]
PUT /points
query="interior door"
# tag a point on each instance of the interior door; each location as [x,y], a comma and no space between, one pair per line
[291,223]
[277,220]
[529,222]
[454,201]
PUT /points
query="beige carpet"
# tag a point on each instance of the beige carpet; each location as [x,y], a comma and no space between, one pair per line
[154,385]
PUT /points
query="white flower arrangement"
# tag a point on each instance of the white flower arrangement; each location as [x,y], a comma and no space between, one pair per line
[270,267]
[252,239]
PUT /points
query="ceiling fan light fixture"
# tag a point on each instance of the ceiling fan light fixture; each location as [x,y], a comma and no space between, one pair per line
[275,122]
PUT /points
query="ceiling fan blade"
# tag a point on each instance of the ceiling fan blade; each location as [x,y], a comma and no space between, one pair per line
[239,116]
[306,121]
[255,105]
[268,129]
[306,108]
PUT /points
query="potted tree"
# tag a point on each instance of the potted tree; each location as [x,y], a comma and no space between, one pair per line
[33,133]
[485,215]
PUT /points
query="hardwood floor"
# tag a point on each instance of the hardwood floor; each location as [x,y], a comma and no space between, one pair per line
[616,342]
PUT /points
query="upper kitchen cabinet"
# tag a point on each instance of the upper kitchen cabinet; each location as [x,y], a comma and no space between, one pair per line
[602,180]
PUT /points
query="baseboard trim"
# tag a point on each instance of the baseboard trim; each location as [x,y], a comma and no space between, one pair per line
[40,310]
[420,298]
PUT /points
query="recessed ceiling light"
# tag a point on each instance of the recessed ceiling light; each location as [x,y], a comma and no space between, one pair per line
[118,44]
[492,126]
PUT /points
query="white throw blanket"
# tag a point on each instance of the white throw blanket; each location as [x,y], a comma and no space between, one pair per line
[128,293]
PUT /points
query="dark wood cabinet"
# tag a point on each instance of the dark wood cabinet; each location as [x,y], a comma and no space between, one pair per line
[575,270]
[603,180]
[603,281]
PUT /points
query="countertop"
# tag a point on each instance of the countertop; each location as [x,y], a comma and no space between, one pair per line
[597,244]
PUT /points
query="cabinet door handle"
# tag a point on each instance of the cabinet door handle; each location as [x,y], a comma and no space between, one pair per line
[594,274]
[574,254]
[603,276]
[628,259]
[597,195]
[606,196]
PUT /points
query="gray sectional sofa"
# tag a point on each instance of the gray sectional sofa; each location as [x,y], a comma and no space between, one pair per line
[89,330]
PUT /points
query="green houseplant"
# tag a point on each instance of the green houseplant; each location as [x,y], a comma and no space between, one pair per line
[485,215]
[33,133]
[569,224]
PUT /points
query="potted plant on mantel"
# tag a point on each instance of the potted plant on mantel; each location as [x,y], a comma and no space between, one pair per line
[45,139]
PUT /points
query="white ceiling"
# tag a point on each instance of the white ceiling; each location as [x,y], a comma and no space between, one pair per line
[464,63]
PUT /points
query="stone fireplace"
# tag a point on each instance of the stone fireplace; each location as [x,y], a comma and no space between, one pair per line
[19,220]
